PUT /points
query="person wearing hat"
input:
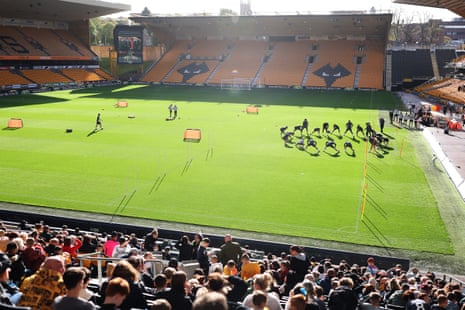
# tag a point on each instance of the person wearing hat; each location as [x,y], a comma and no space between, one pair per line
[40,289]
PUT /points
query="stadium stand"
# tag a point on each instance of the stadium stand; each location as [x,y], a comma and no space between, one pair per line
[208,48]
[20,45]
[45,47]
[331,54]
[45,76]
[372,63]
[432,85]
[33,42]
[73,43]
[103,74]
[276,51]
[47,42]
[157,72]
[192,72]
[7,77]
[272,63]
[243,61]
[38,40]
[411,64]
[82,75]
[444,57]
[287,63]
[449,89]
[316,274]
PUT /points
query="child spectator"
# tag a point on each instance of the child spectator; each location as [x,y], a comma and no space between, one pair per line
[230,269]
[215,265]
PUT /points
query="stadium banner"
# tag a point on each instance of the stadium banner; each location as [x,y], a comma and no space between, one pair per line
[129,44]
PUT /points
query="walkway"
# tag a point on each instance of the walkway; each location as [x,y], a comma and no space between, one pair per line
[448,149]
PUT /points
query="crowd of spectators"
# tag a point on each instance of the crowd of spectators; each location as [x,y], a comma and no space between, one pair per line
[40,268]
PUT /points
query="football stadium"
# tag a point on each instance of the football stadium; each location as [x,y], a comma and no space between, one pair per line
[333,159]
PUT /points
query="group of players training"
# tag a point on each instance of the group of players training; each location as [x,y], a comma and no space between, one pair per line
[376,140]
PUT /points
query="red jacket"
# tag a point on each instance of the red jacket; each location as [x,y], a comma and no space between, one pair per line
[72,250]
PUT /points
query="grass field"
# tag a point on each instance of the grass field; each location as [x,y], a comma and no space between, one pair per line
[239,176]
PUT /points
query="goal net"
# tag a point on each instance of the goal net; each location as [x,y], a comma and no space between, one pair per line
[237,84]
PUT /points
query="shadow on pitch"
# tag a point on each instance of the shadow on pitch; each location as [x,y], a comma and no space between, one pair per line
[350,152]
[378,234]
[93,132]
[334,154]
[375,183]
[389,136]
[314,153]
[376,206]
[372,166]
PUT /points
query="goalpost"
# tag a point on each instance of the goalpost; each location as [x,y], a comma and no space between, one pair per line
[237,84]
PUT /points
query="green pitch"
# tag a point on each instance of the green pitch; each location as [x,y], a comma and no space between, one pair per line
[240,175]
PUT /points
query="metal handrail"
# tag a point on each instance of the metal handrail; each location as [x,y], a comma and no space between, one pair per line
[157,264]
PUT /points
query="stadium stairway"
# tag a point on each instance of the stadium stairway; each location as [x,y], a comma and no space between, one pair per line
[163,79]
[357,75]
[307,73]
[434,62]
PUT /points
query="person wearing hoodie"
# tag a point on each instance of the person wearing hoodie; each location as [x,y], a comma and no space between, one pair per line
[298,262]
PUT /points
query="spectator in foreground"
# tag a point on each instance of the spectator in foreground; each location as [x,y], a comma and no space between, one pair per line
[160,304]
[298,302]
[135,298]
[41,289]
[74,282]
[373,303]
[442,302]
[115,293]
[9,295]
[259,299]
[343,297]
[262,283]
[177,296]
[210,301]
